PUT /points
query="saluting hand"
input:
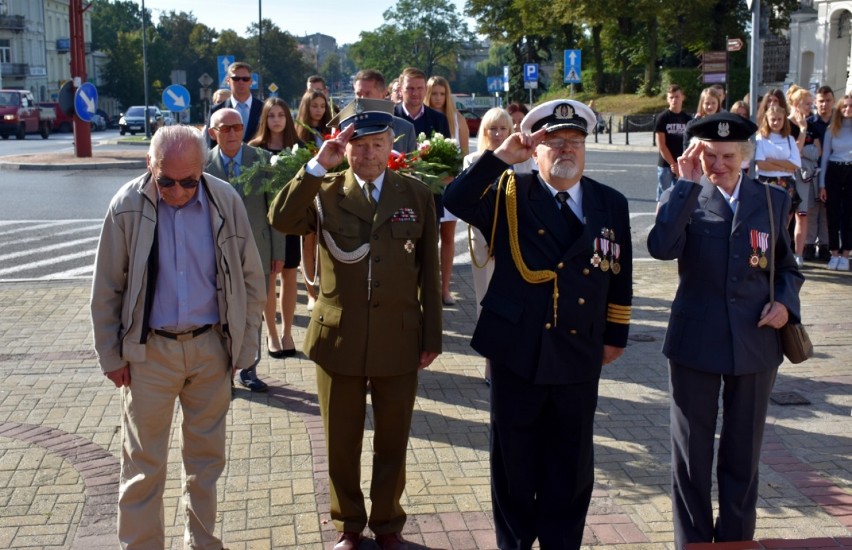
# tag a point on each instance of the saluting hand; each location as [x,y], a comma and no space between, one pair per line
[332,151]
[519,147]
[689,163]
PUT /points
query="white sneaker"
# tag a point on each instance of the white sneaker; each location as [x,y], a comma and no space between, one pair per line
[832,263]
[800,262]
[843,264]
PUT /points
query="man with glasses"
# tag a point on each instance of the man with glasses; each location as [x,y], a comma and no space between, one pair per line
[557,309]
[226,161]
[176,304]
[239,79]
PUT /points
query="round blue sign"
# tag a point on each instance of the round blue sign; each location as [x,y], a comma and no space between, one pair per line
[86,101]
[176,98]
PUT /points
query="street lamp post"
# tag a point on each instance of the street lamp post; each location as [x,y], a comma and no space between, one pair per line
[260,49]
[145,72]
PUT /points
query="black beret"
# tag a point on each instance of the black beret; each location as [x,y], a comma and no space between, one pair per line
[721,127]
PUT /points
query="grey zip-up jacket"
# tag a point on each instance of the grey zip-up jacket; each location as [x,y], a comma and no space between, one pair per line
[120,280]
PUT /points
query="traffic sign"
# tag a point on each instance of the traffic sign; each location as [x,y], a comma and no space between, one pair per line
[255,81]
[505,78]
[714,67]
[272,87]
[205,80]
[495,84]
[176,98]
[530,72]
[222,64]
[572,66]
[735,44]
[86,101]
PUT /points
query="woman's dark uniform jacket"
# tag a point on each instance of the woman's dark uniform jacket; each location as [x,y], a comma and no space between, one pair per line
[696,226]
[516,326]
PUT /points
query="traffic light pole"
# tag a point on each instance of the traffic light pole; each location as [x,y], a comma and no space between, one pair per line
[82,129]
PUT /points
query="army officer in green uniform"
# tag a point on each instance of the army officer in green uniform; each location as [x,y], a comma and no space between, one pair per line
[378,317]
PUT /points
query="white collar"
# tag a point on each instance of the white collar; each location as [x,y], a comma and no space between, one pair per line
[377,182]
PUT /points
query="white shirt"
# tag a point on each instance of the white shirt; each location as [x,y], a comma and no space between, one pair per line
[575,194]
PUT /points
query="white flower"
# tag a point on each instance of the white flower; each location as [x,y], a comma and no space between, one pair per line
[295,148]
[273,160]
[438,137]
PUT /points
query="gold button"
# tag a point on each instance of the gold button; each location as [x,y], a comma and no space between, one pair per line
[586,271]
[581,301]
[547,326]
[573,331]
[560,265]
[541,231]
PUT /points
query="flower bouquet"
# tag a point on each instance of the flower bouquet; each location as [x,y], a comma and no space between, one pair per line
[281,168]
[436,161]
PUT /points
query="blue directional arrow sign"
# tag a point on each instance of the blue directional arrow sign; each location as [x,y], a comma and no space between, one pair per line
[255,81]
[222,63]
[86,101]
[176,98]
[573,65]
[495,83]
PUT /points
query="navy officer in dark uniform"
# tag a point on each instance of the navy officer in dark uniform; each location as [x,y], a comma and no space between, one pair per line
[556,311]
[722,334]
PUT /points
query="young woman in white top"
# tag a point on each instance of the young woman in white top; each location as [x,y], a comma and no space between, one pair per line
[440,97]
[777,155]
[835,183]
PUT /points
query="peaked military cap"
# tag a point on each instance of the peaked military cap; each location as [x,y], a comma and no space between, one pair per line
[370,116]
[722,127]
[559,114]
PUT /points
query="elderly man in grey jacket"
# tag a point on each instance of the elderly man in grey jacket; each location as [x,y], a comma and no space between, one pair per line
[176,303]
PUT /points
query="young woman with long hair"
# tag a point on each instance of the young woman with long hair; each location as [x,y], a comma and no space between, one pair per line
[275,133]
[835,183]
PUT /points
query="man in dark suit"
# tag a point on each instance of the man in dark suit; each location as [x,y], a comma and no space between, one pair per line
[239,80]
[370,84]
[557,309]
[425,119]
[378,316]
[226,161]
[722,334]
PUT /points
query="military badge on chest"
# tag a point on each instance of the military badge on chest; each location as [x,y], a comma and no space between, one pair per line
[606,255]
[759,247]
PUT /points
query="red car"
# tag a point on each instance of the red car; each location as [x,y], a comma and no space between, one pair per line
[473,121]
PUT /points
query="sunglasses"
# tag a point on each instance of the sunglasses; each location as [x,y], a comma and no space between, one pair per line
[228,128]
[165,183]
[240,78]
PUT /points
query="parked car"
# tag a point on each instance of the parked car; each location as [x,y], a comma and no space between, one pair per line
[62,122]
[134,120]
[98,123]
[473,121]
[19,115]
[169,119]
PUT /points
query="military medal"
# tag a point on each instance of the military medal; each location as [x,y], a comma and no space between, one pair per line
[754,259]
[408,246]
[605,250]
[616,254]
[596,259]
[764,238]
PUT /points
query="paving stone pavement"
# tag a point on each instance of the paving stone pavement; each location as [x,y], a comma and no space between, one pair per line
[59,435]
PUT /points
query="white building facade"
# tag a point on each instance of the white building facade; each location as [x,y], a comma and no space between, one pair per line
[821,45]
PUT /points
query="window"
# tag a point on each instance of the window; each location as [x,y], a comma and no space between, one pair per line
[5,50]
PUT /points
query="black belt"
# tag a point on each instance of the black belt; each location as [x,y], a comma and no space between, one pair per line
[183,336]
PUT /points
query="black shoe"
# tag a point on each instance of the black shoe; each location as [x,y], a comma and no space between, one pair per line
[249,379]
[809,252]
[824,253]
[280,354]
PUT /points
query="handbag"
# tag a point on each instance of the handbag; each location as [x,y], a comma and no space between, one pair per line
[795,341]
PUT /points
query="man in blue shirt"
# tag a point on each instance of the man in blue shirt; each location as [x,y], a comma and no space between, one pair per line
[177,295]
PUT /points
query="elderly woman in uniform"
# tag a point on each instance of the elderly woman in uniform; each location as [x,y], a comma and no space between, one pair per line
[723,332]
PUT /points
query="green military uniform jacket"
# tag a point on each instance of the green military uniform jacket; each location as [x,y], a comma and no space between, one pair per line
[375,316]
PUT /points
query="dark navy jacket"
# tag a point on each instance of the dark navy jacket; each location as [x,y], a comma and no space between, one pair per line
[516,327]
[713,325]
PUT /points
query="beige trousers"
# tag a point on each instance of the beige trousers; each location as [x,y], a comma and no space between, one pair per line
[196,372]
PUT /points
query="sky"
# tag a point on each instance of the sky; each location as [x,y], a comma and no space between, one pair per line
[342,19]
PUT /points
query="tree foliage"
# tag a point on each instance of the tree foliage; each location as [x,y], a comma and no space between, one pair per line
[427,34]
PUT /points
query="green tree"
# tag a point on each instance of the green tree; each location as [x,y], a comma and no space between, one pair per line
[282,61]
[427,34]
[109,18]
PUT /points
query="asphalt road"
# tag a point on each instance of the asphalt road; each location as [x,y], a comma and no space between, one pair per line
[50,221]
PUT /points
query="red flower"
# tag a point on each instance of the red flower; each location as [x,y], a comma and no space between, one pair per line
[397,161]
